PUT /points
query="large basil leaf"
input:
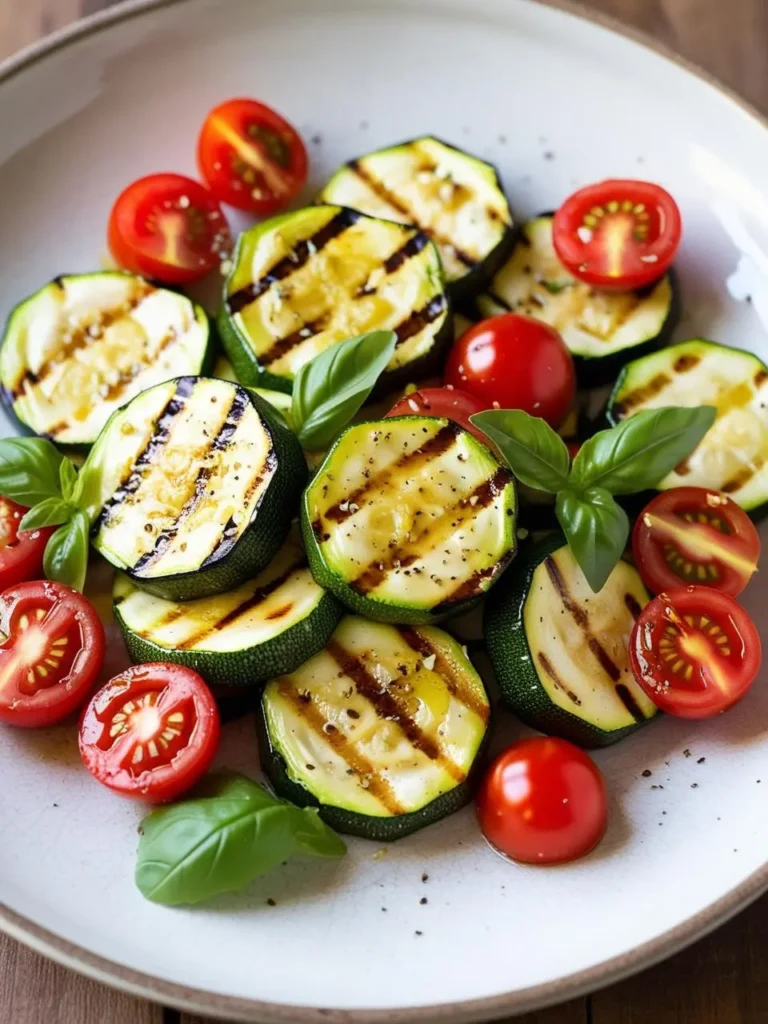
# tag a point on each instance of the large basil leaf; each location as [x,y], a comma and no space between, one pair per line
[596,528]
[535,453]
[29,470]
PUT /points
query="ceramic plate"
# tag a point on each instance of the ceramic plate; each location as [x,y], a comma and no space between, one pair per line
[556,102]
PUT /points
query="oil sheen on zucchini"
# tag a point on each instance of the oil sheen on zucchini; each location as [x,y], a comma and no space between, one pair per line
[191,487]
[560,651]
[409,519]
[602,329]
[733,457]
[455,198]
[381,730]
[267,626]
[86,344]
[306,280]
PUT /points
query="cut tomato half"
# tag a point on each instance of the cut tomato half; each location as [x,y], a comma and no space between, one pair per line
[21,552]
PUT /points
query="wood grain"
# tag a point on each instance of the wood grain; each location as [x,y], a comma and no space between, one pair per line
[722,979]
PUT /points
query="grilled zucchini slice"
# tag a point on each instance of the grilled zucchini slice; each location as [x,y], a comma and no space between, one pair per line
[382,730]
[733,457]
[560,651]
[268,626]
[603,330]
[456,199]
[86,344]
[306,280]
[192,486]
[409,519]
[279,400]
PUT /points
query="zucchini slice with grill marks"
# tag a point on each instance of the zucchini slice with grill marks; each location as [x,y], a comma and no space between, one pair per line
[267,626]
[733,456]
[306,280]
[86,344]
[192,486]
[560,651]
[382,730]
[456,199]
[603,330]
[409,519]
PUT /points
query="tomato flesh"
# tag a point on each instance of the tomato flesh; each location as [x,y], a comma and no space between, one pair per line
[51,655]
[543,801]
[168,227]
[695,651]
[21,551]
[695,536]
[619,234]
[151,732]
[448,403]
[251,157]
[515,362]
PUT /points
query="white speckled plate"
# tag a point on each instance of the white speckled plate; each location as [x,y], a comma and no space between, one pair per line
[556,101]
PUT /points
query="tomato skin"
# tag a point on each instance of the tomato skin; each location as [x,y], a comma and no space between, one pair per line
[168,227]
[669,637]
[21,552]
[618,249]
[450,403]
[251,157]
[543,801]
[66,637]
[151,732]
[515,362]
[669,535]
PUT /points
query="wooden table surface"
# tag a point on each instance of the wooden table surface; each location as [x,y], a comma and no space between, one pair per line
[721,980]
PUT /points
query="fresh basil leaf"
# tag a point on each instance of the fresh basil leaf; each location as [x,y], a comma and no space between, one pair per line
[66,553]
[328,391]
[535,453]
[223,840]
[67,478]
[50,512]
[641,450]
[596,528]
[29,470]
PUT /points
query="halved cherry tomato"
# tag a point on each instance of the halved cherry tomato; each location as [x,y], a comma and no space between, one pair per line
[693,535]
[21,552]
[515,362]
[450,403]
[168,227]
[251,157]
[543,801]
[618,234]
[151,732]
[695,651]
[52,652]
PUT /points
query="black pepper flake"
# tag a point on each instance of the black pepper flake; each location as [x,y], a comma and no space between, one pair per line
[55,805]
[423,901]
[647,773]
[417,932]
[352,713]
[694,785]
[271,902]
[383,910]
[305,697]
[316,139]
[309,767]
[701,760]
[549,155]
[686,752]
[425,877]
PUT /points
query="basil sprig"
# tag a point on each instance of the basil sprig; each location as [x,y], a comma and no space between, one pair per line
[631,457]
[232,832]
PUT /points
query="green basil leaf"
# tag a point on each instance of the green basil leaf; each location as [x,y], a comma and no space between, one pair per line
[29,470]
[535,453]
[596,528]
[328,391]
[50,512]
[221,841]
[66,553]
[67,478]
[641,450]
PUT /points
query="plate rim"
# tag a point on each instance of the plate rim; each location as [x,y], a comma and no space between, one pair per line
[157,989]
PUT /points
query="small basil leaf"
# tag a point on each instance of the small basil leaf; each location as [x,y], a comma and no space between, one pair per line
[29,470]
[641,450]
[66,553]
[50,512]
[535,453]
[596,529]
[328,391]
[67,478]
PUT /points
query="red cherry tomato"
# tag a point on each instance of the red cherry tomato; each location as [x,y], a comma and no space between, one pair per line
[693,535]
[21,553]
[694,651]
[251,157]
[168,227]
[52,652]
[151,732]
[449,403]
[515,362]
[618,234]
[543,801]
